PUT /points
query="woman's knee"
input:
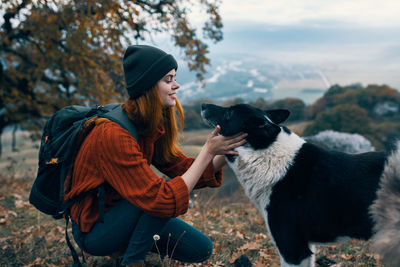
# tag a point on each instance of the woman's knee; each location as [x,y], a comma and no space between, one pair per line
[113,233]
[206,250]
[184,242]
[198,250]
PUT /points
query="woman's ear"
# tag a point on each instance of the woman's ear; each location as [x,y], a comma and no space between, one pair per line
[277,115]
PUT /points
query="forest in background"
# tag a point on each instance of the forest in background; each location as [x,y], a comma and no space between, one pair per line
[372,111]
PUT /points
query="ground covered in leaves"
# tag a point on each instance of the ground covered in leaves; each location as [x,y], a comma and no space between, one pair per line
[29,238]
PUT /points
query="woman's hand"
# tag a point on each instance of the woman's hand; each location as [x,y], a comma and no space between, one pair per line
[221,145]
[215,145]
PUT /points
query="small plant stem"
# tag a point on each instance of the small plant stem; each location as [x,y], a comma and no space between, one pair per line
[173,250]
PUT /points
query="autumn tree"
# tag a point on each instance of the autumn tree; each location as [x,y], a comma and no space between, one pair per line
[296,106]
[260,103]
[374,113]
[61,52]
[193,118]
[343,118]
[234,101]
[378,100]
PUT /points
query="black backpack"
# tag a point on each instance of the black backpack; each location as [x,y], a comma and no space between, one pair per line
[63,134]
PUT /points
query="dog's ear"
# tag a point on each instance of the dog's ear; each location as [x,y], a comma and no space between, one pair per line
[277,115]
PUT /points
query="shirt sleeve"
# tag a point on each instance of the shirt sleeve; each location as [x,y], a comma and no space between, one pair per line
[129,173]
[179,166]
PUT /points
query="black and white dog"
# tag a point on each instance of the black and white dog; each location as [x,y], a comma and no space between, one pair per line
[309,195]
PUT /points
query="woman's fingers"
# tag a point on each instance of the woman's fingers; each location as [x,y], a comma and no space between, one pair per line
[240,142]
[216,131]
[237,140]
[232,152]
[231,143]
[220,145]
[237,144]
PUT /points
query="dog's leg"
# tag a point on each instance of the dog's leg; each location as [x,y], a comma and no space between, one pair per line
[307,262]
[313,248]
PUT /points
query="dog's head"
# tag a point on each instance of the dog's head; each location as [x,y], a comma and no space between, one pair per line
[262,126]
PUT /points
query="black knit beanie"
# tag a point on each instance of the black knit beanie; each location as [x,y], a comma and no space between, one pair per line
[144,66]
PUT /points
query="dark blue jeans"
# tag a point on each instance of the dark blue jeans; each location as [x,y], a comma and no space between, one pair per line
[128,228]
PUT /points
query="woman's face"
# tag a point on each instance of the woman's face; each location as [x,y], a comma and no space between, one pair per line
[167,87]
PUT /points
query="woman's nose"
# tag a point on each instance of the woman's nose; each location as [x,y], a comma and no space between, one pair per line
[176,85]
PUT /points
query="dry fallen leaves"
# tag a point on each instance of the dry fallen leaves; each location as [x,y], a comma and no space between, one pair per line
[6,214]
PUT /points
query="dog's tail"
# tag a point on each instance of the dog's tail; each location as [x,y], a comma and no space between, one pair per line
[386,212]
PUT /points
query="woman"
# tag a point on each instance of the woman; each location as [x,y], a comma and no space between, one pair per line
[138,203]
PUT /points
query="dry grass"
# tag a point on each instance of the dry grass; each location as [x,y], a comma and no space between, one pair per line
[298,127]
[196,138]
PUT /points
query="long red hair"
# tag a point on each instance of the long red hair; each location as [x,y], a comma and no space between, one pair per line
[149,115]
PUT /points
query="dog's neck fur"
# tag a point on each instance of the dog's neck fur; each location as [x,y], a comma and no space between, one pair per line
[258,170]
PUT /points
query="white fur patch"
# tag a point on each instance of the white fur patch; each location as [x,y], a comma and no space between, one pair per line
[386,212]
[259,170]
[307,262]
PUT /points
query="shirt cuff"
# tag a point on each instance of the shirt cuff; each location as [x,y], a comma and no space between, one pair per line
[212,178]
[181,194]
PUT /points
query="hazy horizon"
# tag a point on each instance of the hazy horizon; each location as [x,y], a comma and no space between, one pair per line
[346,42]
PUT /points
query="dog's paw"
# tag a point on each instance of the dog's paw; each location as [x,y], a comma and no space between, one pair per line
[242,261]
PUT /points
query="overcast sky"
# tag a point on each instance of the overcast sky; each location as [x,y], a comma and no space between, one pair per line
[366,13]
[349,40]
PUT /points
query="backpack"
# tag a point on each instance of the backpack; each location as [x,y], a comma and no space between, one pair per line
[63,134]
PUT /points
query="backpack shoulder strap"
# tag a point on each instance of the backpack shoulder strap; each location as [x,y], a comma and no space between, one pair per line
[116,114]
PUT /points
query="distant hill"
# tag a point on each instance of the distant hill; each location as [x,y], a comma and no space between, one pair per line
[250,79]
